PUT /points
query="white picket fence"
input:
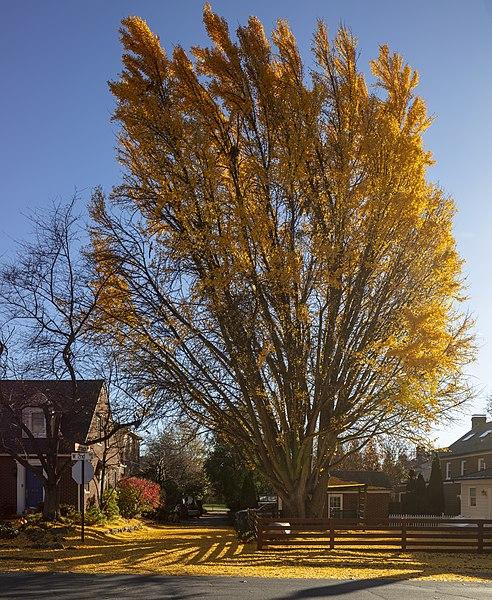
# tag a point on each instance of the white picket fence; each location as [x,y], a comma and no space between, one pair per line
[420,520]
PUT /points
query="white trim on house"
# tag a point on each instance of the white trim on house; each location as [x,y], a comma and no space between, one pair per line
[21,489]
[335,495]
[21,485]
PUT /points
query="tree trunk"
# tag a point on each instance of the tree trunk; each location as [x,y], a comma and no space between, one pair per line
[318,499]
[51,505]
[306,501]
[294,504]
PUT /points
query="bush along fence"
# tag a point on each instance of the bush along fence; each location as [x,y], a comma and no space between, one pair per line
[424,534]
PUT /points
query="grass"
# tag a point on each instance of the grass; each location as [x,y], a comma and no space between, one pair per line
[215,507]
[202,550]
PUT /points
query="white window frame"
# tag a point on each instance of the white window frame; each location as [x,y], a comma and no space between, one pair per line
[472,498]
[481,464]
[448,470]
[27,414]
[337,495]
[463,467]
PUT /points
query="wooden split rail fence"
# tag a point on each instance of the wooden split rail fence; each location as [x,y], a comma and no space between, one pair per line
[428,534]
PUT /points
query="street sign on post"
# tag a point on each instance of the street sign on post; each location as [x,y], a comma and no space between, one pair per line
[77,472]
[82,472]
[82,455]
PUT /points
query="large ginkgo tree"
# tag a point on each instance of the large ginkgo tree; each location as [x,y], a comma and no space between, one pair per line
[281,267]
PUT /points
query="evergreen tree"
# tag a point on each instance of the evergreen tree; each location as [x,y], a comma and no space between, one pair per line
[435,491]
[249,497]
[410,499]
[421,504]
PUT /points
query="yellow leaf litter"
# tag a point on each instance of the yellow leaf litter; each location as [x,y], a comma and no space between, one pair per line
[196,549]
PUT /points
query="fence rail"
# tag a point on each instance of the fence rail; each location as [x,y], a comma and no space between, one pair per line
[409,534]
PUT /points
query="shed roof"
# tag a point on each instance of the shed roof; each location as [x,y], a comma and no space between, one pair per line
[367,477]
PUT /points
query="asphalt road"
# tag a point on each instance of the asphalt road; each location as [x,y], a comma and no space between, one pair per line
[74,586]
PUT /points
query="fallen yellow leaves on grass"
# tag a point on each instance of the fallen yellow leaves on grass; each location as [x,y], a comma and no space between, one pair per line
[202,550]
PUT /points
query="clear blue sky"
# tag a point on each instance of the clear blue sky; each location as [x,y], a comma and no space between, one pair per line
[56,135]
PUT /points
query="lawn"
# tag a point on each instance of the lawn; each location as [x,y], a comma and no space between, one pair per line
[203,550]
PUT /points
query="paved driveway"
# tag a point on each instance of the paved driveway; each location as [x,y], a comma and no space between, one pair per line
[74,586]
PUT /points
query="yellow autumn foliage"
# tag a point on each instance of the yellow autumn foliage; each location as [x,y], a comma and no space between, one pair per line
[283,268]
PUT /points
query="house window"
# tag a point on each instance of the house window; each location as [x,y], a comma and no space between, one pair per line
[448,470]
[463,467]
[34,420]
[335,503]
[473,496]
[481,464]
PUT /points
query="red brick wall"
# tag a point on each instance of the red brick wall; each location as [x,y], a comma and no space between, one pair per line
[8,486]
[377,506]
[471,464]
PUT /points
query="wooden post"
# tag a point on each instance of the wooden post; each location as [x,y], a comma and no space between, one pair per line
[259,533]
[332,537]
[403,537]
[480,537]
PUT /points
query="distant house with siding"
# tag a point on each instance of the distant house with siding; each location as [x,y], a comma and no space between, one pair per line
[467,472]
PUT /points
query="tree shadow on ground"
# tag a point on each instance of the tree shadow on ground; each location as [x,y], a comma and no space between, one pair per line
[214,550]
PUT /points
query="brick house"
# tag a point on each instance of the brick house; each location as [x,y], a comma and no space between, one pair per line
[467,472]
[81,422]
[364,495]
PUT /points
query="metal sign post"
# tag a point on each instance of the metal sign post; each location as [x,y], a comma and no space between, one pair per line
[82,473]
[82,533]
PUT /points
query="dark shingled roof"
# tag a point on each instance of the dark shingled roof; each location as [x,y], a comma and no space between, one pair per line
[77,416]
[473,441]
[374,478]
[484,474]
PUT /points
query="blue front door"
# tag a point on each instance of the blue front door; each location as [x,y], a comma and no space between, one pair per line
[34,490]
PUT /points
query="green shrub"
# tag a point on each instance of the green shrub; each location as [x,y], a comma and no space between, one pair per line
[37,534]
[129,502]
[110,503]
[94,516]
[32,519]
[8,531]
[68,511]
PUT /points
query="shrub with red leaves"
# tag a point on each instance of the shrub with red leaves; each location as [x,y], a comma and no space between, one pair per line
[137,496]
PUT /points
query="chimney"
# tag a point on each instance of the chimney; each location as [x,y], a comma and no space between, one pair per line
[478,421]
